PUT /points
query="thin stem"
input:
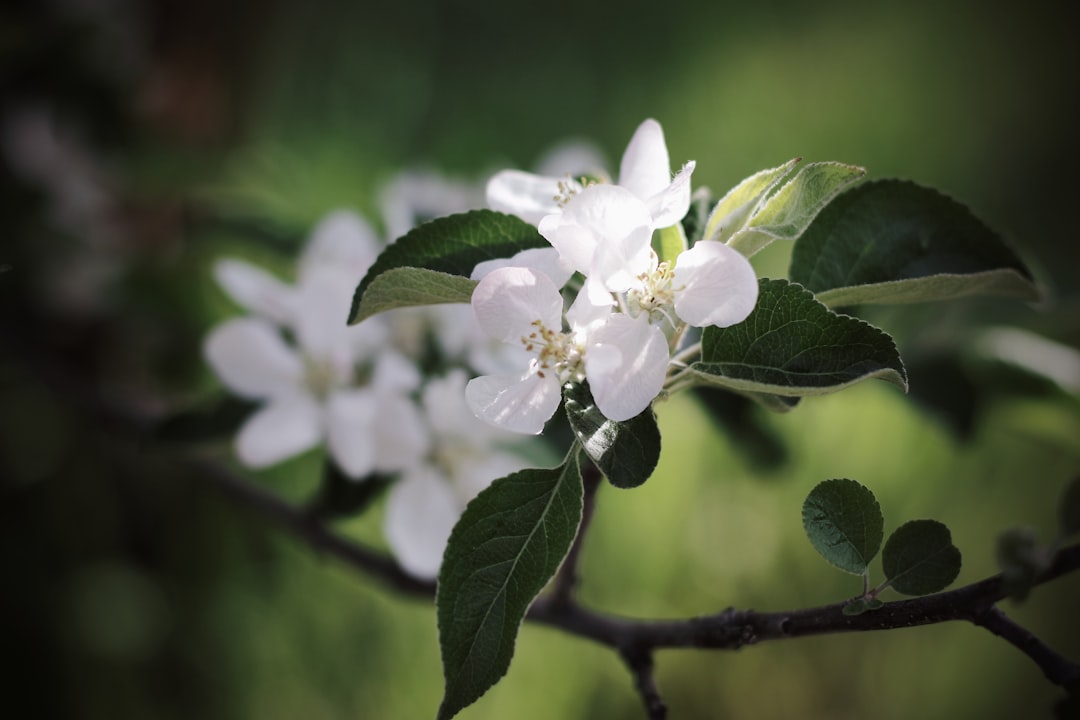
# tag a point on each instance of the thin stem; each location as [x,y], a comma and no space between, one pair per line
[686,354]
[1057,668]
[640,663]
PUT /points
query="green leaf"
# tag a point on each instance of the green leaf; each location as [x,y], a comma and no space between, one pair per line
[1070,509]
[892,241]
[409,286]
[919,558]
[453,245]
[507,545]
[734,209]
[793,345]
[787,213]
[626,452]
[860,605]
[669,242]
[844,523]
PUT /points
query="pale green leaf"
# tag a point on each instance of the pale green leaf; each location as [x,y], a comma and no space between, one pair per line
[410,286]
[792,345]
[735,208]
[892,241]
[507,545]
[919,558]
[669,242]
[844,523]
[787,213]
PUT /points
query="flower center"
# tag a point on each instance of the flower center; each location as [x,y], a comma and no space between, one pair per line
[656,293]
[557,352]
[320,377]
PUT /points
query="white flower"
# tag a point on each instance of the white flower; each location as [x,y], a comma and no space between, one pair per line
[426,502]
[603,232]
[338,384]
[645,171]
[521,306]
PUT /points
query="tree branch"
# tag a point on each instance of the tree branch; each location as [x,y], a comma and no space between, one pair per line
[634,639]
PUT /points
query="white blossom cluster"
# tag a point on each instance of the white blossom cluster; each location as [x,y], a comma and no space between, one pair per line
[356,389]
[626,321]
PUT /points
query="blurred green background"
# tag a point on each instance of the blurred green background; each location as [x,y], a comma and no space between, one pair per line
[132,591]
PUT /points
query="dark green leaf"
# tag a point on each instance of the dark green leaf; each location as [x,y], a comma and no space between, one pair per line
[626,452]
[454,245]
[507,545]
[409,286]
[892,241]
[1070,509]
[844,523]
[919,558]
[793,345]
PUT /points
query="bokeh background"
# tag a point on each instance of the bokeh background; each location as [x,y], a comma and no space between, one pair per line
[199,129]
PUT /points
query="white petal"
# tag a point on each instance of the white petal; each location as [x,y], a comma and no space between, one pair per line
[350,431]
[575,244]
[671,204]
[714,285]
[322,327]
[254,289]
[626,364]
[252,359]
[509,301]
[604,230]
[284,428]
[342,241]
[401,437]
[545,260]
[521,405]
[395,372]
[444,404]
[420,513]
[591,306]
[526,195]
[646,169]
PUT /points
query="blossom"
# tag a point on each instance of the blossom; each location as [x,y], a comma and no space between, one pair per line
[427,500]
[644,171]
[521,306]
[337,384]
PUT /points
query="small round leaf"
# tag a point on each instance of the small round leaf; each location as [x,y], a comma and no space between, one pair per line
[843,521]
[919,558]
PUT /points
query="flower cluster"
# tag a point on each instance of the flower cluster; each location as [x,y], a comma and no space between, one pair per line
[357,390]
[632,308]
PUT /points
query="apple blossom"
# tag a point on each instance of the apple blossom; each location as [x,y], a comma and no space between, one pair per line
[466,456]
[521,306]
[644,171]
